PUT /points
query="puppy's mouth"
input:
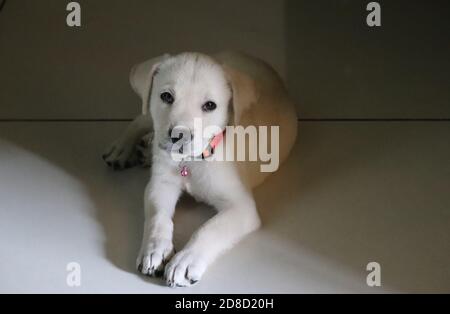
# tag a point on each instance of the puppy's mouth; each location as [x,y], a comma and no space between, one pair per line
[169,147]
[165,146]
[183,150]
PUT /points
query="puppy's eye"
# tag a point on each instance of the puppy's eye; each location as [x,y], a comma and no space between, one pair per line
[167,98]
[209,106]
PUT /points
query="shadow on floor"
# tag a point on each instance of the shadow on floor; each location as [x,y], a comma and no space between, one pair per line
[117,197]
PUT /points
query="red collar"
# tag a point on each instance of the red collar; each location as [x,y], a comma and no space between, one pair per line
[213,144]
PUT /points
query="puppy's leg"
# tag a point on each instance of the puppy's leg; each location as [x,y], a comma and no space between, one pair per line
[236,218]
[161,196]
[123,152]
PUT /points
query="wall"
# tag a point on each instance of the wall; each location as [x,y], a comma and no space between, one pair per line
[49,70]
[334,64]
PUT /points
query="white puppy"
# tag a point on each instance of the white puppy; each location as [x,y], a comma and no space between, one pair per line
[221,90]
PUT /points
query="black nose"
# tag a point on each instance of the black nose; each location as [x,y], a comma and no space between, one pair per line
[174,139]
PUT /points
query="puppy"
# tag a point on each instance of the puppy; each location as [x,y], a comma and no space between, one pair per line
[226,89]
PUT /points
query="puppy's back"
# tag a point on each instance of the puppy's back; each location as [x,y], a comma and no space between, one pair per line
[269,105]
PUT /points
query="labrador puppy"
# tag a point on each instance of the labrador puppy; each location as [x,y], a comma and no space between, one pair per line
[222,90]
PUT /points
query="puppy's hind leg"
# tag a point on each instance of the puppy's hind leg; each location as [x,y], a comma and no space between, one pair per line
[123,152]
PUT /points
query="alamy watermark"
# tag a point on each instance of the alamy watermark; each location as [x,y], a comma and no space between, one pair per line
[374,17]
[373,279]
[73,277]
[232,143]
[74,16]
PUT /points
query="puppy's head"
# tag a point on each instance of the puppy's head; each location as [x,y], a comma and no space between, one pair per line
[189,102]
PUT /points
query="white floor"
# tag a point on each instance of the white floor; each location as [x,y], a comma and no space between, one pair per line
[350,194]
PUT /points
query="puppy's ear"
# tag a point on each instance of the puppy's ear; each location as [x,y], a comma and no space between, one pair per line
[141,79]
[244,94]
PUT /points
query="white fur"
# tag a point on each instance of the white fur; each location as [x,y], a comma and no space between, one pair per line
[193,79]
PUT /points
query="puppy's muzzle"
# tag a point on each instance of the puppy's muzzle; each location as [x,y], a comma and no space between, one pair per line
[180,136]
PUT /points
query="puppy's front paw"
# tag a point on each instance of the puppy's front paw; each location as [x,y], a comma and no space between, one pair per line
[185,269]
[154,256]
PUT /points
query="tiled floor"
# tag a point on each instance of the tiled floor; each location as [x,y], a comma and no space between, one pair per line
[351,193]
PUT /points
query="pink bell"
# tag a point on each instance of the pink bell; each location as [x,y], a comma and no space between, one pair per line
[184,171]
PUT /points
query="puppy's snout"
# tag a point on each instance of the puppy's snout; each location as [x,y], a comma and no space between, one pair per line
[173,138]
[180,133]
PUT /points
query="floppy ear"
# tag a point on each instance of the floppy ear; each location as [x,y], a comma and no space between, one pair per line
[141,79]
[244,94]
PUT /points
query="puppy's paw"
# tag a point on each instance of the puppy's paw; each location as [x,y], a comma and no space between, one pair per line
[121,155]
[185,269]
[144,150]
[154,256]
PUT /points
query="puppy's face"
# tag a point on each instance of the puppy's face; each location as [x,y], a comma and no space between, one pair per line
[188,90]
